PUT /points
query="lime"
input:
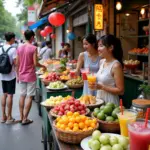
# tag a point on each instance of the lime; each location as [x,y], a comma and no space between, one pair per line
[108,110]
[95,113]
[117,109]
[111,104]
[102,111]
[114,113]
[101,116]
[96,109]
[102,107]
[109,118]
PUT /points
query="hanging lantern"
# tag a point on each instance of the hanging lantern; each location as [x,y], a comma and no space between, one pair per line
[53,36]
[71,36]
[56,19]
[43,33]
[48,29]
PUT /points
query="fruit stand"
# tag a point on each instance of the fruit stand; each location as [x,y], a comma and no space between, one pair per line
[46,128]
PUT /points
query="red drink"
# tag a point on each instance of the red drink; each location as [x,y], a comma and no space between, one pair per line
[72,74]
[84,72]
[139,136]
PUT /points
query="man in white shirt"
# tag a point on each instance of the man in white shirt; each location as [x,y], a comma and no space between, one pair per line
[8,80]
[46,52]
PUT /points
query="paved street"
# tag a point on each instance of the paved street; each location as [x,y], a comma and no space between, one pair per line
[18,137]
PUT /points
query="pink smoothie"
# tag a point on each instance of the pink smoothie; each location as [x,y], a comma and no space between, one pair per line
[139,136]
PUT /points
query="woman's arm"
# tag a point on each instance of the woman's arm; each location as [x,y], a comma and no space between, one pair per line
[80,62]
[117,73]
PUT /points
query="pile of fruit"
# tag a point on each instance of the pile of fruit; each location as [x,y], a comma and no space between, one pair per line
[52,77]
[64,77]
[107,112]
[108,141]
[77,81]
[53,101]
[139,50]
[75,122]
[131,62]
[87,99]
[56,85]
[70,105]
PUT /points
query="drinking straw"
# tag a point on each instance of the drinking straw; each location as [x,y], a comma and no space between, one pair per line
[146,118]
[121,105]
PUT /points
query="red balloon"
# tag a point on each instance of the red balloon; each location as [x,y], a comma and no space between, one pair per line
[56,18]
[43,33]
[48,29]
[53,36]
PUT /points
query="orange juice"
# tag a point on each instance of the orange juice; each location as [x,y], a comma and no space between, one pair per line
[127,117]
[91,78]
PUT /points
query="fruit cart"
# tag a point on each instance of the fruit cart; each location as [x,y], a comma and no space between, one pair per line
[46,127]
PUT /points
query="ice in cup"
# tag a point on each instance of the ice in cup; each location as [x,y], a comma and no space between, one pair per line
[139,135]
[128,116]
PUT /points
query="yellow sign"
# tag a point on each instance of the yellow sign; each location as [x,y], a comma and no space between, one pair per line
[98,17]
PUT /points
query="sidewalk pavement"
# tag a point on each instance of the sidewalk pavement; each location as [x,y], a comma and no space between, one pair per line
[18,137]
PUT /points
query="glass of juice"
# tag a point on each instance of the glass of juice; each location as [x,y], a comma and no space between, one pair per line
[73,73]
[91,78]
[84,72]
[128,116]
[139,135]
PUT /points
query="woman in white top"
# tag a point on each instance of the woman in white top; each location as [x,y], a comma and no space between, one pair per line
[110,78]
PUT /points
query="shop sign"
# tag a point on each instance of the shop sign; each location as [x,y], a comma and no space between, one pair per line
[31,15]
[98,17]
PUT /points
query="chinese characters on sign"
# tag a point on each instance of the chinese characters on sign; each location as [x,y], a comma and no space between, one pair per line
[98,17]
[31,15]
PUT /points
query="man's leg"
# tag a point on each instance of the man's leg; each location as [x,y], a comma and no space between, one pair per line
[3,106]
[27,107]
[21,106]
[9,106]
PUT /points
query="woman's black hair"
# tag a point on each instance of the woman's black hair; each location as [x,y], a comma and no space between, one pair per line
[110,40]
[91,38]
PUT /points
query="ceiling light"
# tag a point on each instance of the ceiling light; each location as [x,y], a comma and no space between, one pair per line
[142,11]
[118,5]
[127,14]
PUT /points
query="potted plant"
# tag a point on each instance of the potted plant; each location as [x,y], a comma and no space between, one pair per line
[145,88]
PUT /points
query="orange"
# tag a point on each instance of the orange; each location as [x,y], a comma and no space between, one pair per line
[93,125]
[87,122]
[72,120]
[58,125]
[85,129]
[70,125]
[67,129]
[90,128]
[75,125]
[83,118]
[58,119]
[69,113]
[81,125]
[94,120]
[76,114]
[78,119]
[65,121]
[75,129]
[62,126]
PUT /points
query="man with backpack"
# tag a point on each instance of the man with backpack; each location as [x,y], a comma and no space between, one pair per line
[46,52]
[26,63]
[8,76]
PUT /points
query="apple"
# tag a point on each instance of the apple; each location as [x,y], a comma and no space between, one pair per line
[113,140]
[104,139]
[96,134]
[117,147]
[95,145]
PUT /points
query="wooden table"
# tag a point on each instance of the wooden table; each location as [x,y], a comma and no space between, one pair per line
[59,145]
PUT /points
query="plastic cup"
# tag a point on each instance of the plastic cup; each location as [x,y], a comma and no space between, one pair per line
[73,73]
[139,135]
[84,72]
[128,116]
[91,78]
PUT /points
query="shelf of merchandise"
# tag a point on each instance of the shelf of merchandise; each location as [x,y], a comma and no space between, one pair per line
[134,54]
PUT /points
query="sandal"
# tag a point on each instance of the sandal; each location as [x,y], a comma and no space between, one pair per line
[27,121]
[4,119]
[11,121]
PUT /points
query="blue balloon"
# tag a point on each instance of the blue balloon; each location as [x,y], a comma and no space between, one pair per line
[71,36]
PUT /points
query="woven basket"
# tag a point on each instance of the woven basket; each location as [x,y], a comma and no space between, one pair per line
[72,137]
[54,115]
[109,127]
[76,86]
[46,82]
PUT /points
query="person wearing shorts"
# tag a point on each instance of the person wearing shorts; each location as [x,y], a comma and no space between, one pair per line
[8,80]
[26,63]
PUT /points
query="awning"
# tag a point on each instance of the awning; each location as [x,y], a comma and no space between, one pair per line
[39,23]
